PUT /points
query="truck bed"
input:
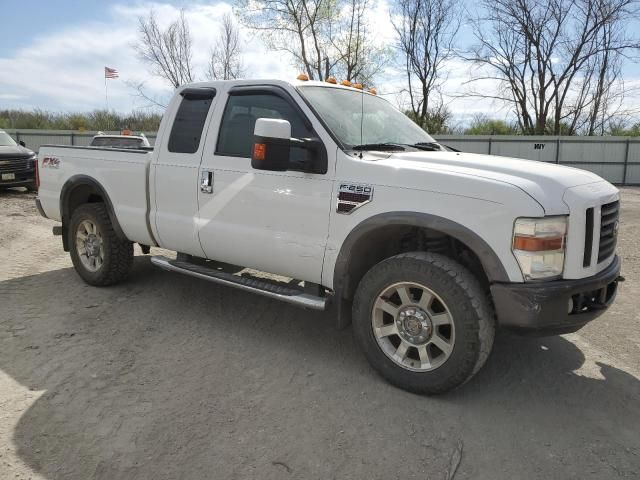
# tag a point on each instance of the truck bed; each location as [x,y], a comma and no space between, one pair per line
[123,173]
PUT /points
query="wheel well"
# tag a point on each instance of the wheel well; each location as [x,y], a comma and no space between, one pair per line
[79,191]
[80,195]
[390,240]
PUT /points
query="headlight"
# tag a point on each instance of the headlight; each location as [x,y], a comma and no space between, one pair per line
[539,245]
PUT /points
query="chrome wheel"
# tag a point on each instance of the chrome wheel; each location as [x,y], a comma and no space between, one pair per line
[89,245]
[413,326]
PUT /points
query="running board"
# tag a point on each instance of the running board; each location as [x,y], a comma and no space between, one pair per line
[249,284]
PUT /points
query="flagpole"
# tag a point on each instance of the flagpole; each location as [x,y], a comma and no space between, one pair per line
[106,96]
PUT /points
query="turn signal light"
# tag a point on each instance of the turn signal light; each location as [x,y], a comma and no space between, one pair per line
[331,80]
[303,76]
[537,244]
[259,151]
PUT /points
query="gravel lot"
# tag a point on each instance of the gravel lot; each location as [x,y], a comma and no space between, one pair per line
[168,377]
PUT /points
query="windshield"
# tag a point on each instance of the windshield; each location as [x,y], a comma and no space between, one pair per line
[6,140]
[341,110]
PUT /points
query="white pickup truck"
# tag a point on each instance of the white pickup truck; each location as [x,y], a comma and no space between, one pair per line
[425,250]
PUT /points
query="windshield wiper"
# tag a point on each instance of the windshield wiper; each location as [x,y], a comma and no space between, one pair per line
[379,146]
[427,146]
[430,146]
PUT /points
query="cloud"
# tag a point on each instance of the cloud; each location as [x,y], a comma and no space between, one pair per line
[63,71]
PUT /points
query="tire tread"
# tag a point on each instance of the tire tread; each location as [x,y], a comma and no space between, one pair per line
[480,320]
[118,252]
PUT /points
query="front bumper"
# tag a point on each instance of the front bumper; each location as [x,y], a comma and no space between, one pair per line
[555,307]
[23,178]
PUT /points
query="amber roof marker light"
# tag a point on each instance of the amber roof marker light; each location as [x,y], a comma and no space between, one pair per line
[331,80]
[303,77]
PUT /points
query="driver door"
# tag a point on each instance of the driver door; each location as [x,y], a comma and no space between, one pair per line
[270,221]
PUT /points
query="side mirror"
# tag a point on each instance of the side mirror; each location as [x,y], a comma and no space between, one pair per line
[271,144]
[22,144]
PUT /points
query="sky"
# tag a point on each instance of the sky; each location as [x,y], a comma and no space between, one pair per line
[52,55]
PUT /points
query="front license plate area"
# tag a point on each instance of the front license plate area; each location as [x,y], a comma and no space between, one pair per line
[8,176]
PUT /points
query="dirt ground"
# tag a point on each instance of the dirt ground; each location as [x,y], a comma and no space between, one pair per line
[167,377]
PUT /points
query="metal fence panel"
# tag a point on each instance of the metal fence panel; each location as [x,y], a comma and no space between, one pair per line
[633,175]
[593,150]
[531,148]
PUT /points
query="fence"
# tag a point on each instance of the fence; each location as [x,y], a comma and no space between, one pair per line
[33,139]
[617,159]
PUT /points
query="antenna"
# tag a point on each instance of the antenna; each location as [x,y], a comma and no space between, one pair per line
[361,120]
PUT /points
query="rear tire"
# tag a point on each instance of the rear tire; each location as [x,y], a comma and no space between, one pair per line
[99,256]
[423,321]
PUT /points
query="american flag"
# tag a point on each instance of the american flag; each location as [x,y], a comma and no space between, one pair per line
[110,72]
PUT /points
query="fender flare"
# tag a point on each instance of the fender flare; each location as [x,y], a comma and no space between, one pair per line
[490,261]
[65,194]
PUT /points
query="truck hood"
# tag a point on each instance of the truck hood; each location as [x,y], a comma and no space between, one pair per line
[544,182]
[14,151]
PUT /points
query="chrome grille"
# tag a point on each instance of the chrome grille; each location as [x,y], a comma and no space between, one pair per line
[13,164]
[608,230]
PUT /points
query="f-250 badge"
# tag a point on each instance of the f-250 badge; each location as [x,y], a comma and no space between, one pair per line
[352,196]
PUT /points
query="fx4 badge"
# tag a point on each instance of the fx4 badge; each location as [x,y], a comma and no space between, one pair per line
[352,196]
[51,162]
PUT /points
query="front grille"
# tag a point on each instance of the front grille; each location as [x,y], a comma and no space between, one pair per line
[608,230]
[13,164]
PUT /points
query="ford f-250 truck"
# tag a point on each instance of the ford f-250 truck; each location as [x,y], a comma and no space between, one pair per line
[426,251]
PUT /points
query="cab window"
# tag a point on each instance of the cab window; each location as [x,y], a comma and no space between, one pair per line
[238,121]
[188,125]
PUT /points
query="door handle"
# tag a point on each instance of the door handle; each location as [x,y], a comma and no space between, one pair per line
[206,181]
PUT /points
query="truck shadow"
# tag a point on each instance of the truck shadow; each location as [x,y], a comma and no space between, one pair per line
[166,376]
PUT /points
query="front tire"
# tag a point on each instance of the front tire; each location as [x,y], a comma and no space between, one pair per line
[99,256]
[423,321]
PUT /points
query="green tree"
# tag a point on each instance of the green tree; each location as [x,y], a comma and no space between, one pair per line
[435,121]
[95,120]
[483,125]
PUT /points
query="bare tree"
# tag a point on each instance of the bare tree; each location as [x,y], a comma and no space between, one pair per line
[225,62]
[426,30]
[300,27]
[556,61]
[167,51]
[359,58]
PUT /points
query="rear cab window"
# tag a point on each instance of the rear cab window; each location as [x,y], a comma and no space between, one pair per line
[117,142]
[189,121]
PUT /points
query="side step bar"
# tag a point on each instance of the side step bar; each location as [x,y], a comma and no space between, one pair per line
[250,284]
